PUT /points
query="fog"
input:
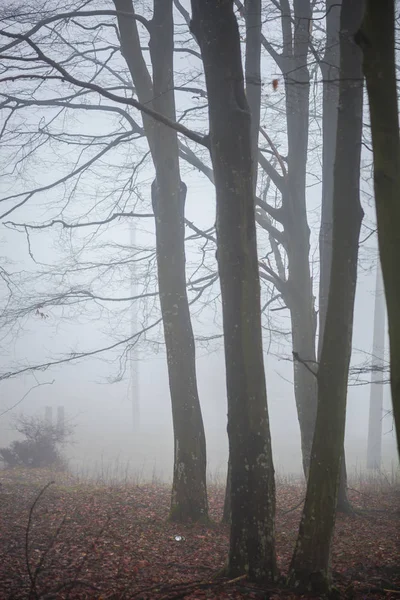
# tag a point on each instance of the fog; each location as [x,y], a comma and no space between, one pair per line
[96,391]
[107,442]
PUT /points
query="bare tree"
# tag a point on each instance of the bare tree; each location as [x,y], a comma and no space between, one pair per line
[189,495]
[156,99]
[330,69]
[310,567]
[252,538]
[286,222]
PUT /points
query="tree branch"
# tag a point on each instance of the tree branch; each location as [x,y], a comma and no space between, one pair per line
[263,220]
[305,363]
[66,225]
[24,396]
[78,355]
[277,179]
[66,16]
[191,157]
[275,151]
[49,186]
[274,213]
[196,137]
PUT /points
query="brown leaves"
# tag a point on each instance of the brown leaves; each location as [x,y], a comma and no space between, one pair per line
[117,543]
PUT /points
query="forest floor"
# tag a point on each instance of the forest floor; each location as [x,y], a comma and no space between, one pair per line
[114,542]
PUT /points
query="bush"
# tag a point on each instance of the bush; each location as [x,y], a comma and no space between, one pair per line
[40,448]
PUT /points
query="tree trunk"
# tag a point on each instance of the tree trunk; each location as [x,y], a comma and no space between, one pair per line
[252,534]
[305,382]
[330,69]
[376,37]
[311,560]
[299,293]
[374,443]
[252,69]
[252,13]
[189,493]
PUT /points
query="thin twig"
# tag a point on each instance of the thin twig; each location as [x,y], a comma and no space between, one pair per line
[32,578]
[47,550]
[286,512]
[25,395]
[305,363]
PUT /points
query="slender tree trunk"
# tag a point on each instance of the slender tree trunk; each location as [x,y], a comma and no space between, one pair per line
[374,443]
[330,69]
[252,14]
[252,69]
[376,37]
[305,382]
[252,535]
[189,494]
[311,560]
[299,293]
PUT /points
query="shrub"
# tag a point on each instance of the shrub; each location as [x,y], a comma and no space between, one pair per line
[42,446]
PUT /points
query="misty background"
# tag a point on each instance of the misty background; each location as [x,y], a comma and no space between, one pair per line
[96,392]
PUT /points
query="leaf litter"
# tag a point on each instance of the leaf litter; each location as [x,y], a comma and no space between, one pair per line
[101,542]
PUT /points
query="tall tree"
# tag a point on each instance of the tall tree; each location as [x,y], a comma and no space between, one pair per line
[330,70]
[298,291]
[252,537]
[189,493]
[377,40]
[296,288]
[252,13]
[311,560]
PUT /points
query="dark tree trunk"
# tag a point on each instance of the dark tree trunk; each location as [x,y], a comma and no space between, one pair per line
[297,292]
[330,67]
[377,39]
[252,14]
[189,494]
[252,535]
[252,69]
[330,70]
[311,560]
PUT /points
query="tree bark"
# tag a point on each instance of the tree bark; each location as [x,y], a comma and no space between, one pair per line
[374,441]
[310,567]
[377,40]
[252,534]
[252,69]
[189,493]
[330,69]
[298,291]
